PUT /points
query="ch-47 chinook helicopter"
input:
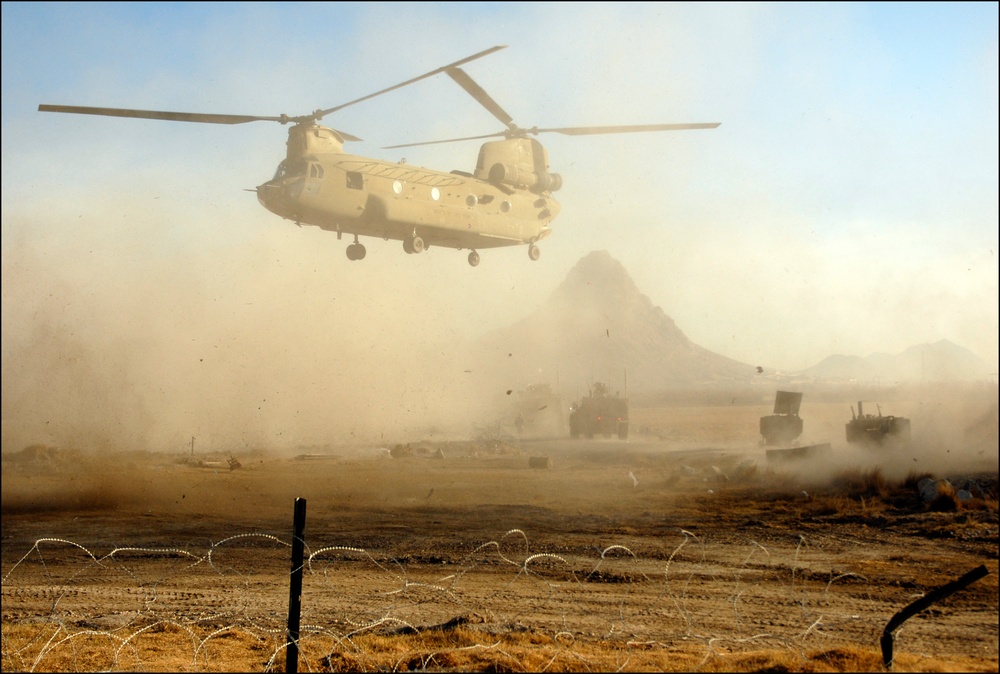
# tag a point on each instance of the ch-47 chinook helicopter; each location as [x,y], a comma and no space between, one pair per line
[506,201]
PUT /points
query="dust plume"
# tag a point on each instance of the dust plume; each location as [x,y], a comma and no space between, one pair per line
[257,345]
[953,432]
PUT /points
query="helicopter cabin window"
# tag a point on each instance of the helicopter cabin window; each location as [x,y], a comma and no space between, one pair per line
[355,180]
[315,171]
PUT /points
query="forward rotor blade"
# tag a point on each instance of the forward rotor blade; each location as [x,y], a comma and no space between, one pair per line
[450,140]
[477,92]
[594,130]
[206,118]
[322,113]
[201,117]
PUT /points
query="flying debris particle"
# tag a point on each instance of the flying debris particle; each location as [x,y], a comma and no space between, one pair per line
[760,370]
[635,482]
[509,391]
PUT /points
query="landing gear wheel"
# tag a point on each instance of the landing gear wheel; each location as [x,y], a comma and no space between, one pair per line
[534,252]
[408,246]
[474,259]
[417,244]
[356,251]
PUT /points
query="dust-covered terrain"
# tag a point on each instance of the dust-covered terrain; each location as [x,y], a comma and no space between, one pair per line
[682,548]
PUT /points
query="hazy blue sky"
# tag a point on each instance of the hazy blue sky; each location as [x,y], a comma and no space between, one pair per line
[846,205]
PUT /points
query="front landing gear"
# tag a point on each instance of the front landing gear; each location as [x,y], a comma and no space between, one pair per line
[534,252]
[474,259]
[356,251]
[413,245]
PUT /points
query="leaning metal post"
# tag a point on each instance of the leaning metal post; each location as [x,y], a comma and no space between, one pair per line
[888,635]
[295,587]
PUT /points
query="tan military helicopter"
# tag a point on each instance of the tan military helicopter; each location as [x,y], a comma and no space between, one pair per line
[506,201]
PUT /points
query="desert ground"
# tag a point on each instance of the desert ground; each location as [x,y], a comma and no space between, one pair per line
[684,548]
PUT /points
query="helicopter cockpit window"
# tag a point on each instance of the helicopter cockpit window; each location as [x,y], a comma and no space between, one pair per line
[287,169]
[355,180]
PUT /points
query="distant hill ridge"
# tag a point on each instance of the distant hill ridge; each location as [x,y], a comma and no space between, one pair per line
[938,362]
[598,326]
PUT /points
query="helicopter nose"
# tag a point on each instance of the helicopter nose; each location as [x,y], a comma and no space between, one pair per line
[264,194]
[272,197]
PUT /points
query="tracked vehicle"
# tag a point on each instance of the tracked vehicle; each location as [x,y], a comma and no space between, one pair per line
[875,429]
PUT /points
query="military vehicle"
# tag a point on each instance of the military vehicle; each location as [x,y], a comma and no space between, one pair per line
[538,410]
[506,201]
[874,429]
[600,413]
[785,424]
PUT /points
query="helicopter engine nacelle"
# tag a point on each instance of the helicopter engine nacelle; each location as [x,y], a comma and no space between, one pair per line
[554,182]
[507,174]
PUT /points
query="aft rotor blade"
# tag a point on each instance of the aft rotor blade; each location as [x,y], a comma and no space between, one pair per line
[206,118]
[477,92]
[516,132]
[322,113]
[594,130]
[449,140]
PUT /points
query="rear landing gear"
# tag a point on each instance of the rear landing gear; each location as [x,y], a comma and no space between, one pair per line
[534,252]
[356,251]
[474,259]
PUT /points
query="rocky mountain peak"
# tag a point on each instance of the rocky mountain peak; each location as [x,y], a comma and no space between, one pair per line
[599,279]
[597,320]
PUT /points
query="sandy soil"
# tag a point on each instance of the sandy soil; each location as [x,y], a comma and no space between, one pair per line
[684,540]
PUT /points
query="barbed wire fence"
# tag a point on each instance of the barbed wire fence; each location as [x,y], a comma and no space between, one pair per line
[68,606]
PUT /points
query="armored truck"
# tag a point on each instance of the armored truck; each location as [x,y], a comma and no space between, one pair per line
[539,411]
[600,413]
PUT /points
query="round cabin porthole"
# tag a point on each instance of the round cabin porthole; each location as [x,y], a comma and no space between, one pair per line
[435,193]
[397,187]
[471,200]
[505,206]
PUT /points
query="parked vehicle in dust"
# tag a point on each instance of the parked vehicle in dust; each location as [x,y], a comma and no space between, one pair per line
[875,428]
[600,413]
[539,411]
[785,424]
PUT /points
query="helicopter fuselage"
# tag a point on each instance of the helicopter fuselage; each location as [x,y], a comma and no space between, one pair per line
[318,184]
[506,201]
